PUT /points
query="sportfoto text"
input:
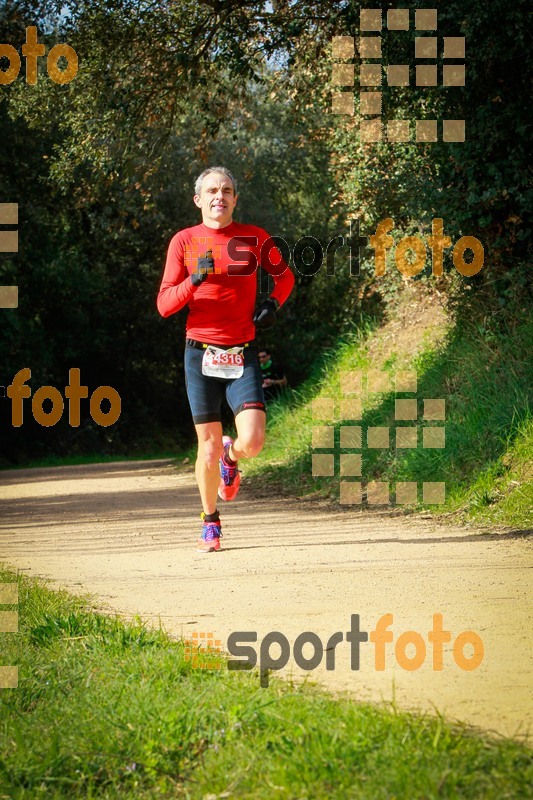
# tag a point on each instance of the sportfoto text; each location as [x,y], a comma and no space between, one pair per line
[32,50]
[308,254]
[17,391]
[380,637]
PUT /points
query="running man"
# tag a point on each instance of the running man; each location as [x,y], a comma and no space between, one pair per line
[212,268]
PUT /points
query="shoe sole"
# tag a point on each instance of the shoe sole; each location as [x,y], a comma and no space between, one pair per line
[203,549]
[228,493]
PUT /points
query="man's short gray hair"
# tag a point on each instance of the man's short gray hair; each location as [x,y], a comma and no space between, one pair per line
[206,172]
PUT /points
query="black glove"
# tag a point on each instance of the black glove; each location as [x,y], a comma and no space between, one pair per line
[206,266]
[265,315]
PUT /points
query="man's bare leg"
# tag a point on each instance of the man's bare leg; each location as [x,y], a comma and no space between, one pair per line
[207,466]
[250,424]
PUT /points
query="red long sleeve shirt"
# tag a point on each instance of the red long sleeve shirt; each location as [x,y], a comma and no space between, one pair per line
[221,308]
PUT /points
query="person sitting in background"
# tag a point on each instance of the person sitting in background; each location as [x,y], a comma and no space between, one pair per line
[274,378]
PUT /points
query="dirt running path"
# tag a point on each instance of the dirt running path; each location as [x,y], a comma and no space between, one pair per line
[126,532]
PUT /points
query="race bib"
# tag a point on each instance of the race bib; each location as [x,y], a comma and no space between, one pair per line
[219,363]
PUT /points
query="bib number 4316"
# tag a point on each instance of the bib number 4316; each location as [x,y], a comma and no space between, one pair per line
[220,363]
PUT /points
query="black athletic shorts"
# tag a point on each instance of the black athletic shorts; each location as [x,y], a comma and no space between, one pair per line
[206,394]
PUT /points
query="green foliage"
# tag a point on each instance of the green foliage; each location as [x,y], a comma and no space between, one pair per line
[481,187]
[105,167]
[484,373]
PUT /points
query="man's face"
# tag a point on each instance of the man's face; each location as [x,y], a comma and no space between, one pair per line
[217,200]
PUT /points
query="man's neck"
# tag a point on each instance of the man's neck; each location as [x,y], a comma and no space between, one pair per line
[209,223]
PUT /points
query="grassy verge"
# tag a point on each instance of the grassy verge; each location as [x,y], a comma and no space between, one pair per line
[483,373]
[112,710]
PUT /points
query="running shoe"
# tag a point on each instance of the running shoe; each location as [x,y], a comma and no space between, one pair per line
[230,476]
[209,541]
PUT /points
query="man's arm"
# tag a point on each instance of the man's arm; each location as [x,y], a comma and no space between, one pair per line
[273,263]
[276,381]
[176,288]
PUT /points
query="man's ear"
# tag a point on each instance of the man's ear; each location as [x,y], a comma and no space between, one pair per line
[197,200]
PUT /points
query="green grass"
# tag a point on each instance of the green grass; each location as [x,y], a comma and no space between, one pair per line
[112,710]
[485,377]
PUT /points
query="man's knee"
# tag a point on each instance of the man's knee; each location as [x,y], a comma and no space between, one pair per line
[209,452]
[251,443]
